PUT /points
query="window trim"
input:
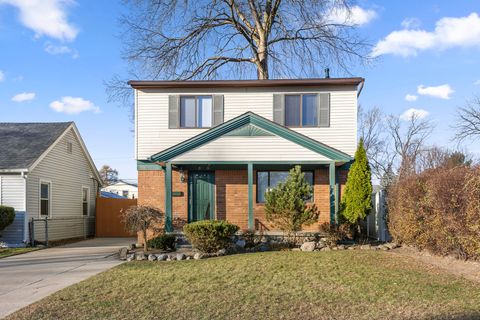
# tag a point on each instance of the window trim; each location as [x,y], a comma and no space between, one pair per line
[195,96]
[50,188]
[88,201]
[268,182]
[301,109]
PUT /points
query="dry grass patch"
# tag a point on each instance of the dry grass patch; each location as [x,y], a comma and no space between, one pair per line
[273,285]
[7,252]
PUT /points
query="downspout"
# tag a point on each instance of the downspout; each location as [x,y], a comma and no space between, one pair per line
[25,217]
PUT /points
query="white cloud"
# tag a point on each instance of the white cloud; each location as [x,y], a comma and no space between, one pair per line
[412,112]
[411,23]
[353,16]
[411,97]
[2,76]
[73,105]
[477,83]
[46,17]
[443,91]
[24,96]
[62,49]
[449,33]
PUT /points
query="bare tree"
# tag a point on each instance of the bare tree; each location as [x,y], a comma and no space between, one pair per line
[376,141]
[468,121]
[409,141]
[108,175]
[173,39]
[141,219]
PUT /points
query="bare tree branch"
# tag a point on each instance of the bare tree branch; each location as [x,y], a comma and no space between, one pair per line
[468,121]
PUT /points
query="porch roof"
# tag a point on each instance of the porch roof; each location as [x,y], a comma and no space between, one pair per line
[250,118]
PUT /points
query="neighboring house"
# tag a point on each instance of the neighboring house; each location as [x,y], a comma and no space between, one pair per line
[123,188]
[106,194]
[47,172]
[211,149]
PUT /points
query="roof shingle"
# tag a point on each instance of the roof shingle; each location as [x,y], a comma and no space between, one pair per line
[23,143]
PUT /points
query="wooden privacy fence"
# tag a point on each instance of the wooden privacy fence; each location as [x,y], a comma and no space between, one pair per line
[109,217]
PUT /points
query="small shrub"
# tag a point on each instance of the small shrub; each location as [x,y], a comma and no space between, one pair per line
[7,215]
[209,236]
[251,239]
[335,233]
[163,242]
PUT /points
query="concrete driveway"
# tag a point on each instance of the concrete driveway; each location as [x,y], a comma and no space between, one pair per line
[29,277]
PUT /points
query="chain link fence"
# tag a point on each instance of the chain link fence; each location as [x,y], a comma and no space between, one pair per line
[46,230]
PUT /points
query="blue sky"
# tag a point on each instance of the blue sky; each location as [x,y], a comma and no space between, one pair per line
[53,69]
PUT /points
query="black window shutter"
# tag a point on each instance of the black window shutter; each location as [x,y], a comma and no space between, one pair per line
[173,112]
[279,108]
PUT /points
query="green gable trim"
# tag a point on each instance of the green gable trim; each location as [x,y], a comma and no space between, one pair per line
[145,165]
[258,121]
[249,131]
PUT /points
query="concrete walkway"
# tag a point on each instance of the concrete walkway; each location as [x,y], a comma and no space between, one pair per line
[29,277]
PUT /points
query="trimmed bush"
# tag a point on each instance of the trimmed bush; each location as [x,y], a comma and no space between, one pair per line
[7,215]
[438,210]
[163,242]
[209,236]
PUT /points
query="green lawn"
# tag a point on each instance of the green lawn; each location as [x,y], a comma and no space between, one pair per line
[272,285]
[7,252]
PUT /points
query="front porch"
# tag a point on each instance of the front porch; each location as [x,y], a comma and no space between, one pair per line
[232,191]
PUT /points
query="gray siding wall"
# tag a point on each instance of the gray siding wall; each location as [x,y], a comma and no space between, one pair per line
[67,173]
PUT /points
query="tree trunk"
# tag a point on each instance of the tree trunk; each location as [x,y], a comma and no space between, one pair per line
[145,246]
[262,63]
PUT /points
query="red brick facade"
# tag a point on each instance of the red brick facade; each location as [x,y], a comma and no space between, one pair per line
[231,196]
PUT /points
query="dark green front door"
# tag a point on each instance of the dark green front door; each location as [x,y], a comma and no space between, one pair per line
[201,186]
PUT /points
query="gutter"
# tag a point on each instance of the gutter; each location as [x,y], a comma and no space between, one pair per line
[21,171]
[361,85]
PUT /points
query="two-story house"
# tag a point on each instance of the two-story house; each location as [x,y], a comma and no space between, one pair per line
[212,149]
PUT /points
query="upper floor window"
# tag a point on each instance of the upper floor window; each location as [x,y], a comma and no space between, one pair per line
[196,111]
[44,198]
[301,110]
[85,201]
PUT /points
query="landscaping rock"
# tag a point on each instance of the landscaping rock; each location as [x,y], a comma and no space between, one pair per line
[168,259]
[384,248]
[320,245]
[296,249]
[308,246]
[188,258]
[335,248]
[132,246]
[130,257]
[341,247]
[181,256]
[326,249]
[123,252]
[365,247]
[162,257]
[240,243]
[198,256]
[221,252]
[140,256]
[391,245]
[172,257]
[351,248]
[152,257]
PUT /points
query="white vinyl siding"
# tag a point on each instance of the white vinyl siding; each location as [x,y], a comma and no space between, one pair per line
[153,135]
[12,191]
[67,173]
[271,148]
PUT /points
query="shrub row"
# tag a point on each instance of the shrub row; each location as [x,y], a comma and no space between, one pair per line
[7,215]
[438,210]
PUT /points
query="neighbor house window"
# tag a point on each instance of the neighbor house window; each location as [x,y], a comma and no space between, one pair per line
[125,193]
[85,206]
[301,110]
[196,111]
[267,180]
[45,199]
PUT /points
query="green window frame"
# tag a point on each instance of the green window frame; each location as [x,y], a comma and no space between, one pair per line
[259,195]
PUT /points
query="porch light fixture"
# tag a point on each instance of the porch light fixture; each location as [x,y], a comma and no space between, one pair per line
[182,176]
